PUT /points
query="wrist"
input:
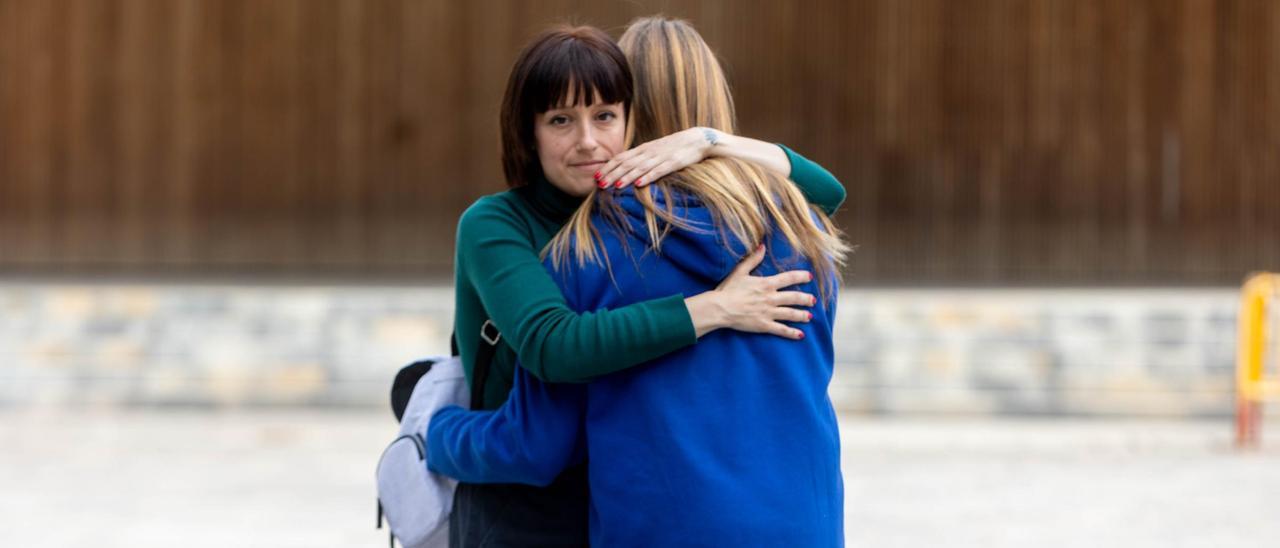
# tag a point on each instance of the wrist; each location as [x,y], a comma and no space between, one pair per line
[706,312]
[710,140]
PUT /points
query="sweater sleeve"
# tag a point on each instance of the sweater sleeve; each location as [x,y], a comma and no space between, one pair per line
[553,342]
[817,184]
[531,439]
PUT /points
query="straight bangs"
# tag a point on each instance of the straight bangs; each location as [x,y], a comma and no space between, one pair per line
[574,71]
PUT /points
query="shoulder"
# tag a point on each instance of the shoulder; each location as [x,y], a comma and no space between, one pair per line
[502,211]
[502,204]
[497,223]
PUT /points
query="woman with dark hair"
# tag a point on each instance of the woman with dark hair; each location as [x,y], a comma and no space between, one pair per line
[563,118]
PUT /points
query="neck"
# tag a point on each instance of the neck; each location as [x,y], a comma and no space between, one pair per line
[551,201]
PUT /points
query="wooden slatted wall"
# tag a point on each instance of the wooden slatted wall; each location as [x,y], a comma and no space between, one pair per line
[982,142]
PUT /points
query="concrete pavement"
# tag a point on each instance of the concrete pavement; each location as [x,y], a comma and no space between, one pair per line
[304,478]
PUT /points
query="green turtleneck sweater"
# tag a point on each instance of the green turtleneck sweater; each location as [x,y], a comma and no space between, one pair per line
[499,276]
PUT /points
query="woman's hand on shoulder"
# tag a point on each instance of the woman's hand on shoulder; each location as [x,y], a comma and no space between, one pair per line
[655,159]
[754,304]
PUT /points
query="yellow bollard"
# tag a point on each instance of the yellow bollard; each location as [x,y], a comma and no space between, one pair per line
[1252,388]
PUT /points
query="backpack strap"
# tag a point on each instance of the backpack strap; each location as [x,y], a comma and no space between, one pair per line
[488,346]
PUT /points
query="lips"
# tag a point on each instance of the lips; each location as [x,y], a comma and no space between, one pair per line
[588,165]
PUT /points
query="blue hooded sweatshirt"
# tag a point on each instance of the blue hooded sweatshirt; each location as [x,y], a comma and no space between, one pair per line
[730,442]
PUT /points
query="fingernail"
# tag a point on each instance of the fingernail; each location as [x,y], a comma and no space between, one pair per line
[597,175]
[801,335]
[810,276]
[813,300]
[639,182]
[761,248]
[602,184]
[619,184]
[810,316]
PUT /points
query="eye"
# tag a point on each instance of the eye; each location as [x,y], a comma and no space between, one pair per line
[606,116]
[558,120]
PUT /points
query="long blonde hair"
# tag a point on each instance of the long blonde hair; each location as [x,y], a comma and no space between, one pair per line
[679,85]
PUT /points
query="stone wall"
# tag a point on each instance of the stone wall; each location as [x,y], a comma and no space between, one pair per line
[207,345]
[1029,351]
[1024,351]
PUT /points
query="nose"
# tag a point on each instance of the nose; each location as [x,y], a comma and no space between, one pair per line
[587,139]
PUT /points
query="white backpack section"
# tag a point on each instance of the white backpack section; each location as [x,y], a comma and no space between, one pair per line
[416,502]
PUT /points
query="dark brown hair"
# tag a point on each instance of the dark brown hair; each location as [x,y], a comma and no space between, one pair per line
[560,64]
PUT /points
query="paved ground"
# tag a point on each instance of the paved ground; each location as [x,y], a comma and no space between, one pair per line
[304,478]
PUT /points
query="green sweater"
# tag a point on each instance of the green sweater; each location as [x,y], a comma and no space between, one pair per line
[499,276]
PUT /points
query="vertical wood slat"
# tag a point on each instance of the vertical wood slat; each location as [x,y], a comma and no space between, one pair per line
[137,69]
[344,244]
[269,193]
[1048,141]
[175,219]
[10,39]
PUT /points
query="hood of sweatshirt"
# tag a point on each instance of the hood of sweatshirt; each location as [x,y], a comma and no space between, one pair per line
[702,249]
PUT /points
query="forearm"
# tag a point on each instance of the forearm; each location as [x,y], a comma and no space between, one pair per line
[469,446]
[529,440]
[768,155]
[655,159]
[817,184]
[552,340]
[566,346]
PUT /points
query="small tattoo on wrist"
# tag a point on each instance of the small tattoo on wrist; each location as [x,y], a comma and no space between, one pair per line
[712,136]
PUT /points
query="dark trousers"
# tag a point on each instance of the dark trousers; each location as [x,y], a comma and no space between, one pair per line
[509,515]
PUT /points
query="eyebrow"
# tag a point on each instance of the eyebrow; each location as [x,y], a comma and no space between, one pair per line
[594,106]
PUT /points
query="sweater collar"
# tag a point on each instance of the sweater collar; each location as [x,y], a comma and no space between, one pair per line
[550,201]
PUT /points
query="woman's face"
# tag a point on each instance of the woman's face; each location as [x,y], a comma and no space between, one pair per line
[574,142]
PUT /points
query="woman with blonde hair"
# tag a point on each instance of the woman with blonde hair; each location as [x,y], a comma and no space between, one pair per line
[732,441]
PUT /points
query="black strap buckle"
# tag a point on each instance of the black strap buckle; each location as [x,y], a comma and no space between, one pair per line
[489,333]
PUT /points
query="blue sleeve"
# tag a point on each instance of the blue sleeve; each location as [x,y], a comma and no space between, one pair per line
[534,436]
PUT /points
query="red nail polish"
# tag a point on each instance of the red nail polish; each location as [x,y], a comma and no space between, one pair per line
[810,276]
[597,175]
[618,184]
[639,182]
[810,316]
[813,301]
[801,337]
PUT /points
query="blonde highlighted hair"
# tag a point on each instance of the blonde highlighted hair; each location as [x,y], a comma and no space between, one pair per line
[679,85]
